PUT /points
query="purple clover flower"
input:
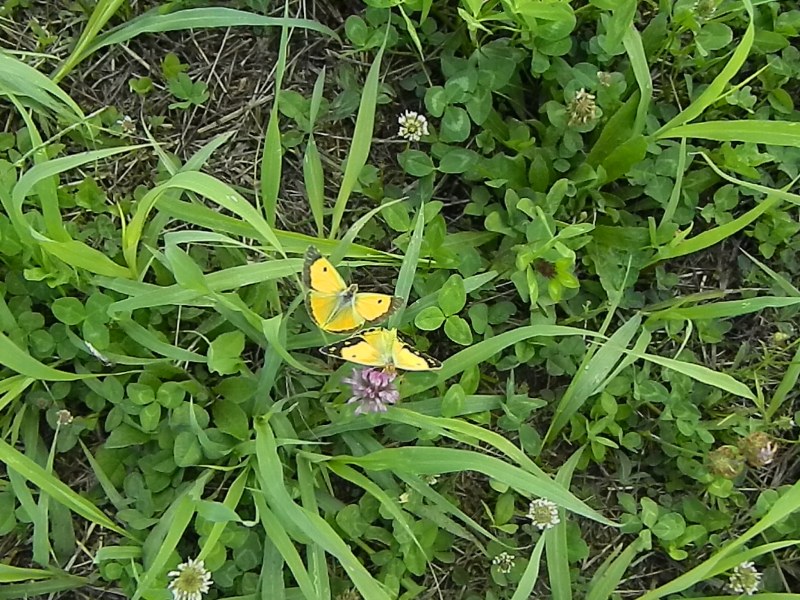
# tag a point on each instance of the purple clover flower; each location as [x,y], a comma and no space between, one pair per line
[373,389]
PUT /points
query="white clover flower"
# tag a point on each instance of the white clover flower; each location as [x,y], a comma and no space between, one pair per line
[504,562]
[543,514]
[191,580]
[582,109]
[745,579]
[64,417]
[412,126]
[127,124]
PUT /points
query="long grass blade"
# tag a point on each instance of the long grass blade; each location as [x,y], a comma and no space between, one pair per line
[362,140]
[103,11]
[434,461]
[155,21]
[716,88]
[586,381]
[773,133]
[641,72]
[483,351]
[54,488]
[531,574]
[311,526]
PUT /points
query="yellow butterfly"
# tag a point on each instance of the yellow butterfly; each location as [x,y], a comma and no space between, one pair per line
[382,348]
[336,307]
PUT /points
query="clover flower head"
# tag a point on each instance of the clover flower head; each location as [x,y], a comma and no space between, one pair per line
[373,389]
[413,126]
[705,9]
[543,514]
[745,579]
[190,580]
[504,562]
[726,461]
[64,417]
[758,449]
[604,77]
[127,124]
[582,108]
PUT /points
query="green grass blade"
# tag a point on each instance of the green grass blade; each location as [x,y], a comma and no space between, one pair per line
[12,387]
[275,531]
[314,179]
[483,351]
[641,72]
[727,309]
[108,487]
[194,18]
[408,270]
[39,589]
[699,373]
[785,387]
[149,340]
[232,498]
[16,359]
[103,11]
[177,517]
[464,433]
[531,574]
[714,235]
[726,558]
[315,555]
[607,577]
[22,81]
[362,140]
[773,133]
[434,461]
[54,488]
[716,88]
[206,186]
[779,279]
[272,155]
[555,544]
[313,175]
[782,194]
[586,381]
[11,574]
[675,196]
[312,526]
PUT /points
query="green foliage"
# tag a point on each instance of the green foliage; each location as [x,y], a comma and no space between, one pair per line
[597,236]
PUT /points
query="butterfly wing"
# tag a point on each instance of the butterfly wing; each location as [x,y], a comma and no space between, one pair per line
[376,307]
[407,358]
[320,275]
[366,349]
[346,319]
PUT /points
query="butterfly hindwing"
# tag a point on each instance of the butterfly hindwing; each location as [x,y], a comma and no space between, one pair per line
[357,349]
[408,358]
[376,307]
[382,348]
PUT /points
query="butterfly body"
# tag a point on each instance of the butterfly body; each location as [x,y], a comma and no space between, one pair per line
[336,307]
[383,348]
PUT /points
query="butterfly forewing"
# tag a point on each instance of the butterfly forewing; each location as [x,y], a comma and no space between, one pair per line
[320,275]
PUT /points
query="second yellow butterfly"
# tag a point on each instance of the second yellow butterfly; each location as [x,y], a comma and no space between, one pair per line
[336,307]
